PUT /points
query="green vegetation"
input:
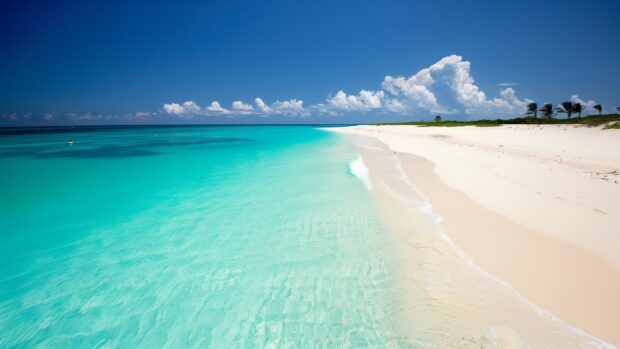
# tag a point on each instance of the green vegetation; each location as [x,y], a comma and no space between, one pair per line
[616,126]
[547,111]
[567,108]
[590,120]
[532,110]
[531,117]
[578,108]
[598,108]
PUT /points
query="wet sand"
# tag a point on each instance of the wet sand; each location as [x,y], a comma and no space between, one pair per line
[542,271]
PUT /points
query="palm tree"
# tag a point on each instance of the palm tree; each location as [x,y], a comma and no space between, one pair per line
[578,108]
[547,111]
[566,108]
[599,108]
[532,110]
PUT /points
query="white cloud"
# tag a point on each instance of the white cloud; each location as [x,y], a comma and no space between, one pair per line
[241,107]
[417,92]
[364,101]
[576,99]
[262,106]
[215,107]
[395,106]
[291,107]
[187,108]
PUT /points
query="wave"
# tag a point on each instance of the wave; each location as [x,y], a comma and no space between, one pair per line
[359,170]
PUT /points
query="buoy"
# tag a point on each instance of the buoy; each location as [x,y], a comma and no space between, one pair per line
[70,142]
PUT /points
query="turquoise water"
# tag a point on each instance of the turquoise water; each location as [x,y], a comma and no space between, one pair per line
[189,237]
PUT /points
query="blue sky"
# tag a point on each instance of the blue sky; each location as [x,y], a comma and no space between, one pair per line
[76,62]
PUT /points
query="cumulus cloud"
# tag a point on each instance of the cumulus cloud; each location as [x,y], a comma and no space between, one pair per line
[364,101]
[416,91]
[187,108]
[242,107]
[292,107]
[215,107]
[260,104]
[422,92]
[576,99]
[395,106]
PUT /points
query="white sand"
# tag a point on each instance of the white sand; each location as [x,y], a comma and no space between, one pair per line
[540,210]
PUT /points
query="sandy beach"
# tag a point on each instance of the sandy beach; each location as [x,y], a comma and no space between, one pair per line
[537,207]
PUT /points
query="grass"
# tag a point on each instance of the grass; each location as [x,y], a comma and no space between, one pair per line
[590,120]
[616,126]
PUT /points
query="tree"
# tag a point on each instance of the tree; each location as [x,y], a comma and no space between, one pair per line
[438,118]
[532,110]
[617,109]
[566,108]
[547,111]
[598,107]
[578,108]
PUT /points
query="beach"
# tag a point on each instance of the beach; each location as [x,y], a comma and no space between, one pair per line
[535,208]
[291,236]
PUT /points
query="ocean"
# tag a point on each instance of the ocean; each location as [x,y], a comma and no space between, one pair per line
[190,236]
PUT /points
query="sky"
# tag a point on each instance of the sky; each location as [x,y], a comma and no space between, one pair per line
[173,62]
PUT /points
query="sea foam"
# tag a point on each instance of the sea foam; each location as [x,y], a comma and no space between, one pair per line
[359,170]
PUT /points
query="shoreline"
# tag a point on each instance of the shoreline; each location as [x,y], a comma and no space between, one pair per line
[569,281]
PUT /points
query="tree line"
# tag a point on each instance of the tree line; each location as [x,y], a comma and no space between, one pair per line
[548,111]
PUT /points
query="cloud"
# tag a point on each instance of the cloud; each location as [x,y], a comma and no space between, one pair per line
[242,108]
[264,108]
[12,116]
[416,92]
[187,108]
[87,117]
[291,107]
[445,87]
[395,106]
[215,107]
[576,99]
[364,101]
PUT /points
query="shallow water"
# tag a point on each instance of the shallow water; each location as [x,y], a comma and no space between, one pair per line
[190,237]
